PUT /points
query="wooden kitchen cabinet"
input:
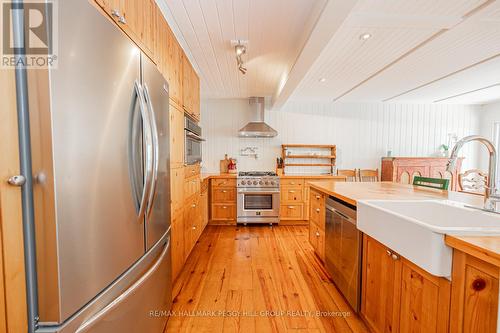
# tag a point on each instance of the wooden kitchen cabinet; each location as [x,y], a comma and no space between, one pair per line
[137,18]
[176,137]
[204,203]
[398,296]
[317,222]
[192,223]
[190,90]
[291,211]
[474,296]
[317,239]
[178,244]
[223,201]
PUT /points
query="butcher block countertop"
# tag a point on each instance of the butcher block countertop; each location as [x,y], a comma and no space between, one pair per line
[486,248]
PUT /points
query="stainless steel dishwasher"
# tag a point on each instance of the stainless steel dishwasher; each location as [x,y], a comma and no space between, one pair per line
[343,243]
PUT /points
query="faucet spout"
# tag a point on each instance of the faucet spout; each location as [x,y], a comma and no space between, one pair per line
[490,196]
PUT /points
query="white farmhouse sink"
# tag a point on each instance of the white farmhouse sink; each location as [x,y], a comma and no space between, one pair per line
[415,229]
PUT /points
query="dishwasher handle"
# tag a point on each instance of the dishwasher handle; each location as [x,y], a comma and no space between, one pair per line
[342,215]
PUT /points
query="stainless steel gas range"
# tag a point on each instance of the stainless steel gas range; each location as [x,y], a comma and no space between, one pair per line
[258,197]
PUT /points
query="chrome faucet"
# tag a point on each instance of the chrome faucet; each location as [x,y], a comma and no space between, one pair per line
[491,197]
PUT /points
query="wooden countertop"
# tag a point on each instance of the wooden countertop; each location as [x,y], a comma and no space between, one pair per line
[217,175]
[486,248]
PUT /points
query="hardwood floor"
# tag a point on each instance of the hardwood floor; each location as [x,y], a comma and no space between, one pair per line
[246,271]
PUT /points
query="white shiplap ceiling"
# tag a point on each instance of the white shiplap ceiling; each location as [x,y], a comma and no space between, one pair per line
[416,50]
[442,51]
[276,31]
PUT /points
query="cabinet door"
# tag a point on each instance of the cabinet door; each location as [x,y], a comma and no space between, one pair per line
[381,278]
[474,303]
[425,301]
[204,209]
[176,137]
[178,247]
[176,189]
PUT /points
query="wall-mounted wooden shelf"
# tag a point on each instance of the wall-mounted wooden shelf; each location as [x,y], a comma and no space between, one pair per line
[308,151]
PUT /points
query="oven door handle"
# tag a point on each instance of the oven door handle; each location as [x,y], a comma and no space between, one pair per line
[194,136]
[257,192]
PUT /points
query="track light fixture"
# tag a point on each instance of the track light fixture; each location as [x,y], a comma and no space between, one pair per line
[240,50]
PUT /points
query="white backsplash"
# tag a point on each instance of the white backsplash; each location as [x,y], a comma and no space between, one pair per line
[362,132]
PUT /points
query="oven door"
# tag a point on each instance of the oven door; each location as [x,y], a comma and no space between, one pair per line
[258,206]
[192,153]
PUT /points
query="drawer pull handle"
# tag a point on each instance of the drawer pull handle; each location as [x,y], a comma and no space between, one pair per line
[292,183]
[291,191]
[317,233]
[291,207]
[122,20]
[224,207]
[389,253]
[318,210]
[193,205]
[194,227]
[394,256]
[478,284]
[224,191]
[115,13]
[318,197]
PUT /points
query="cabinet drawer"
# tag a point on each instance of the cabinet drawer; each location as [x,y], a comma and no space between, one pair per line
[292,212]
[292,182]
[317,197]
[191,186]
[317,239]
[191,170]
[223,195]
[223,212]
[224,182]
[292,194]
[317,214]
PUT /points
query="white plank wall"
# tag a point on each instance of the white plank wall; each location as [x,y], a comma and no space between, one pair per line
[362,132]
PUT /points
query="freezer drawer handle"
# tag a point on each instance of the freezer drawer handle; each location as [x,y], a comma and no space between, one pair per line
[89,323]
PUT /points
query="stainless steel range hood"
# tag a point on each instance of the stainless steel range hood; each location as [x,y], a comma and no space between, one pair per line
[257,128]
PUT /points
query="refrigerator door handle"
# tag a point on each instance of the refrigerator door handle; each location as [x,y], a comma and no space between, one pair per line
[147,135]
[95,318]
[156,150]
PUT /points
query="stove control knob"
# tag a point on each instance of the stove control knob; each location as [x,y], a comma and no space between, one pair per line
[273,182]
[261,182]
[255,182]
[243,182]
[267,182]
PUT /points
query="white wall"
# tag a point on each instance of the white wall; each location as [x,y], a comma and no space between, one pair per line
[362,132]
[490,114]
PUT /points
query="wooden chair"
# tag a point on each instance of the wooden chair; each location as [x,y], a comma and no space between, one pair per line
[437,183]
[473,181]
[368,175]
[350,175]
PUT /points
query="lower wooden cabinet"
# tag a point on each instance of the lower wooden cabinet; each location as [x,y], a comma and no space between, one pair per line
[317,239]
[292,211]
[398,296]
[474,295]
[223,201]
[177,241]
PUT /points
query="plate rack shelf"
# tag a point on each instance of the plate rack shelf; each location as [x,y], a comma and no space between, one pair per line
[302,155]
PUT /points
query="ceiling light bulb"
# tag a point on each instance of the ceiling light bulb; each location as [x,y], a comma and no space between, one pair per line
[322,79]
[365,36]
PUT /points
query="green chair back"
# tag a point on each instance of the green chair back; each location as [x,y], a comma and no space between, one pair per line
[438,183]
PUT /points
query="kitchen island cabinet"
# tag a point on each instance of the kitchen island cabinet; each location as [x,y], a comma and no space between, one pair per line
[398,296]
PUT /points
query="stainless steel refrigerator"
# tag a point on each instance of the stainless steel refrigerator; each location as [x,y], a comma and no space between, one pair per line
[101,199]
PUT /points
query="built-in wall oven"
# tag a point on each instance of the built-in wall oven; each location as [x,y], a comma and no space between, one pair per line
[258,199]
[192,142]
[343,243]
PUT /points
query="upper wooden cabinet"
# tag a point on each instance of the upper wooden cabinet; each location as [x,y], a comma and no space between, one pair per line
[169,58]
[190,89]
[137,18]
